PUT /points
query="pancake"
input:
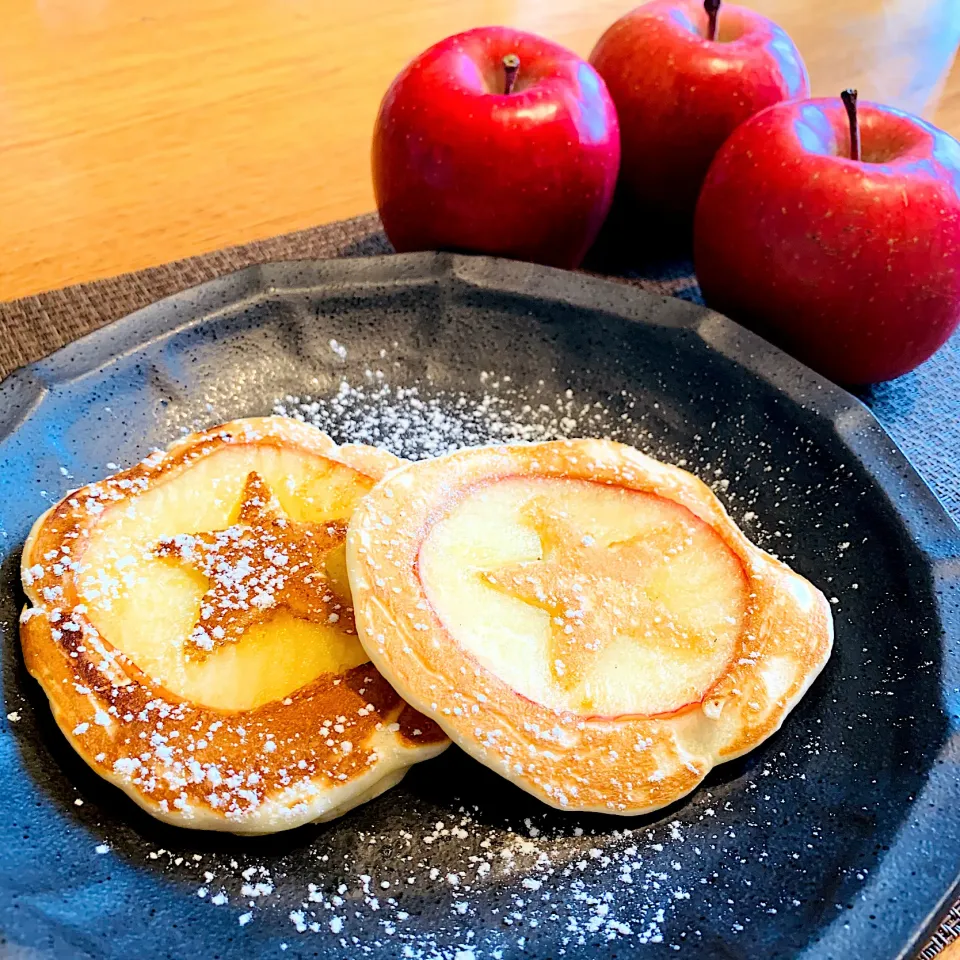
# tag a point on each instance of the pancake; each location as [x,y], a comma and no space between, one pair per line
[583,619]
[191,624]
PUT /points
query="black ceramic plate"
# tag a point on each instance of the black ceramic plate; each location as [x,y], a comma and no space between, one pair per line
[839,837]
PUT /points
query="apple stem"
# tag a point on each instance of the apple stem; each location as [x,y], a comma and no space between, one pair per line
[511,66]
[713,8]
[849,98]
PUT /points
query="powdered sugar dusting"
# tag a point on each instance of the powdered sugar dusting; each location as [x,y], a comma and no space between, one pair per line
[579,885]
[416,423]
[469,868]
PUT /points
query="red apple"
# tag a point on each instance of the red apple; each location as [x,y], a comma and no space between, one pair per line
[496,141]
[683,79]
[852,265]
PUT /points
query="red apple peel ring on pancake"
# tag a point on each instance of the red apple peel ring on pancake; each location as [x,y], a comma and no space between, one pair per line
[583,619]
[191,627]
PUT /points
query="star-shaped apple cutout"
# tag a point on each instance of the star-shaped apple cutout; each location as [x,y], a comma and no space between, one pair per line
[597,592]
[263,563]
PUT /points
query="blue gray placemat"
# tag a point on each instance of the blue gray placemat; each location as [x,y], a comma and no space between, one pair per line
[922,413]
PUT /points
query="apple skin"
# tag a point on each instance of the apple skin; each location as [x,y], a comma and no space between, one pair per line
[459,165]
[853,267]
[679,95]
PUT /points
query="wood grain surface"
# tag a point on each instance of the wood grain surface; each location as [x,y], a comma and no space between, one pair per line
[952,952]
[135,132]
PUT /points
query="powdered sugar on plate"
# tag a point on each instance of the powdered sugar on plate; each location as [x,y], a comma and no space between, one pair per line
[461,882]
[490,891]
[417,423]
[459,865]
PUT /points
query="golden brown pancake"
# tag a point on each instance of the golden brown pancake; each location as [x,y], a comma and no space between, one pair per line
[190,621]
[583,619]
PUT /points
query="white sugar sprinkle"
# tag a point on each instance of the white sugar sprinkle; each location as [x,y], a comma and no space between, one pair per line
[532,881]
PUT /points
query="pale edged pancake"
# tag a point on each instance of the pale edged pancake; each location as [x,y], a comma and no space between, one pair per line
[583,619]
[191,624]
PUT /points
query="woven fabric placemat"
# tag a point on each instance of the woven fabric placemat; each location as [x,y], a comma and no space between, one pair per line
[921,410]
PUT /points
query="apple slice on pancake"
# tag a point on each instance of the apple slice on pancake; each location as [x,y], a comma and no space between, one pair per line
[190,621]
[585,620]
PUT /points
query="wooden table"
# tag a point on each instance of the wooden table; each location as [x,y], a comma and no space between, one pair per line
[136,132]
